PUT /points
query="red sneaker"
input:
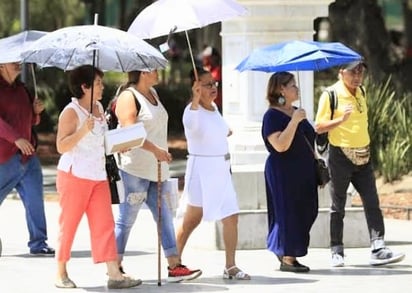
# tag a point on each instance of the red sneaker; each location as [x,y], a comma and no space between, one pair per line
[182,273]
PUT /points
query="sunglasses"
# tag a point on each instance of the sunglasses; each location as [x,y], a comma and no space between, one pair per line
[211,84]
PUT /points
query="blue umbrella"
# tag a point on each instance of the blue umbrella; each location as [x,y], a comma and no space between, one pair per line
[298,55]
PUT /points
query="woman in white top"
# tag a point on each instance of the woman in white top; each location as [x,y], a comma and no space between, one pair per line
[82,180]
[209,190]
[139,102]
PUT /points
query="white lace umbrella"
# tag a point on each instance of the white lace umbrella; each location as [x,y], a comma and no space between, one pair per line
[106,48]
[169,16]
[11,47]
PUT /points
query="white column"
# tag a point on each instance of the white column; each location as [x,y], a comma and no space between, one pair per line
[244,94]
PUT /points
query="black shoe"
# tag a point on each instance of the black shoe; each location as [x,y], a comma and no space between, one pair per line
[45,251]
[296,267]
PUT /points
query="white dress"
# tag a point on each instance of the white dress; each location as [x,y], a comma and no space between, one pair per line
[208,181]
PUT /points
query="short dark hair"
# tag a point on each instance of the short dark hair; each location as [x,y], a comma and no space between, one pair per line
[82,75]
[200,72]
[275,82]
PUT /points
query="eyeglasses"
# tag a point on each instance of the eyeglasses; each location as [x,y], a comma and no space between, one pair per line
[211,84]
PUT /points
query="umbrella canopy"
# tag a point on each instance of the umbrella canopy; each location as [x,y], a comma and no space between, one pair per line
[11,47]
[298,55]
[73,46]
[164,16]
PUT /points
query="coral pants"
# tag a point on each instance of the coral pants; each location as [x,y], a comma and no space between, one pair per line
[77,197]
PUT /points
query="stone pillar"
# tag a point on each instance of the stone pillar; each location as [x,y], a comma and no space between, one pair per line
[244,102]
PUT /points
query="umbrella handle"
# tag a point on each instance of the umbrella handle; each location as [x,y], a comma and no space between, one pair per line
[191,56]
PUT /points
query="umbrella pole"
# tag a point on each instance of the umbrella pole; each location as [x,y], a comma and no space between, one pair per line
[191,56]
[34,80]
[299,92]
[159,222]
[92,89]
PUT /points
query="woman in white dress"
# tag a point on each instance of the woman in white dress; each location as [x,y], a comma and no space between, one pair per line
[209,190]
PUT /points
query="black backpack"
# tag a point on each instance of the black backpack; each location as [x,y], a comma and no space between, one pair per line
[322,141]
[110,113]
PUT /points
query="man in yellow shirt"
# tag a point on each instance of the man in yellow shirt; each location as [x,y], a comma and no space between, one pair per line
[349,162]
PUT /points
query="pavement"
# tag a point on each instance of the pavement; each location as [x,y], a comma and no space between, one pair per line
[20,272]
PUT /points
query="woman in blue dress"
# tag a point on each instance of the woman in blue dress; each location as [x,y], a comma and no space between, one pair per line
[290,173]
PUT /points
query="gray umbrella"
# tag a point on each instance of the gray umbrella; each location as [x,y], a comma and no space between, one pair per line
[105,47]
[11,47]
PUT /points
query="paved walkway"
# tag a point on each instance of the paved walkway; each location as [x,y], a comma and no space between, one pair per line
[21,273]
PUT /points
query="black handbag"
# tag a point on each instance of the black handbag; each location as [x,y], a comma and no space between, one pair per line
[112,176]
[322,171]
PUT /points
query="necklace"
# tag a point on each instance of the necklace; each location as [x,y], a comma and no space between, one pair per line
[87,113]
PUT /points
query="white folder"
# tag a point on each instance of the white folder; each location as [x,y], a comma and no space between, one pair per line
[124,138]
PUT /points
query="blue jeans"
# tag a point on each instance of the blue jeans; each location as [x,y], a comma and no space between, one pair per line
[27,179]
[137,191]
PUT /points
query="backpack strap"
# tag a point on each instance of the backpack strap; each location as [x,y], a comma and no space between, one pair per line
[333,101]
[362,88]
[136,102]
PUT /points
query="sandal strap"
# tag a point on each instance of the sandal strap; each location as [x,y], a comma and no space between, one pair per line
[239,275]
[231,268]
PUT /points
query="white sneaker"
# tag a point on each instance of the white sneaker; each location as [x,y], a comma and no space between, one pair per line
[337,260]
[385,256]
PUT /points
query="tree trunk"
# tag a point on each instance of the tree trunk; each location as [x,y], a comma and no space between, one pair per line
[407,16]
[360,25]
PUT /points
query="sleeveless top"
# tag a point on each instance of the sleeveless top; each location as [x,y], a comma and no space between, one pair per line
[139,162]
[87,158]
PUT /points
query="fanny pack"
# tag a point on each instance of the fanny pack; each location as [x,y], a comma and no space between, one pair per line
[358,156]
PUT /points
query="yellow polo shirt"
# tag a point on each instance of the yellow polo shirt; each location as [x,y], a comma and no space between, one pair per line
[354,131]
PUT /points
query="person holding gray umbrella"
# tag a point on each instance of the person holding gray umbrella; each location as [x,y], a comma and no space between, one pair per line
[82,180]
[19,165]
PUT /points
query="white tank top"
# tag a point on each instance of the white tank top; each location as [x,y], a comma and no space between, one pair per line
[87,159]
[139,162]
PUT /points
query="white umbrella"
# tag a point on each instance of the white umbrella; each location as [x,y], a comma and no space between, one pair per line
[106,48]
[168,16]
[11,47]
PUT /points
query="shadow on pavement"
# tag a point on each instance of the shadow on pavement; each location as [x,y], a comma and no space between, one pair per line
[80,254]
[364,270]
[206,284]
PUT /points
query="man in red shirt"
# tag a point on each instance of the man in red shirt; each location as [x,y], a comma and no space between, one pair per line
[19,166]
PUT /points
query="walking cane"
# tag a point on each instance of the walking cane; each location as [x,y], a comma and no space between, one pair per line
[159,221]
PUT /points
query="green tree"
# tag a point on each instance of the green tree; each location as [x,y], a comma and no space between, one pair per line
[360,25]
[60,14]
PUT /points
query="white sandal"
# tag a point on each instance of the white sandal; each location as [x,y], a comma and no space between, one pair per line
[238,275]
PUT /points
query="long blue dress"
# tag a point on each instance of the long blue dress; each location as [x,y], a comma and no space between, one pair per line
[291,188]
